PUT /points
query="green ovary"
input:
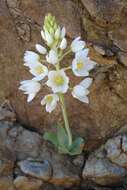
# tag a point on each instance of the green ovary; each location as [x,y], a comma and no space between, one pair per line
[39,70]
[80,65]
[49,99]
[59,80]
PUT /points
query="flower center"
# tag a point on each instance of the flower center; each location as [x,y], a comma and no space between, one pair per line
[59,80]
[49,99]
[39,70]
[80,65]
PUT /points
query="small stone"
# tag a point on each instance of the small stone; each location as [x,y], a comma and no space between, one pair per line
[109,53]
[7,160]
[6,113]
[6,183]
[122,57]
[99,49]
[124,143]
[113,147]
[27,183]
[79,161]
[28,144]
[64,172]
[3,133]
[119,37]
[40,170]
[121,160]
[102,171]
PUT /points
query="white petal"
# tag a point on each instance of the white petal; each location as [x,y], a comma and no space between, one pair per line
[43,35]
[54,85]
[79,72]
[48,38]
[30,97]
[86,82]
[41,49]
[50,105]
[84,99]
[52,57]
[39,71]
[77,45]
[80,92]
[63,44]
[82,54]
[30,57]
[43,101]
[30,87]
[63,32]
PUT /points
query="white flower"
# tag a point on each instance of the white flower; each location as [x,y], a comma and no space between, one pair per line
[50,101]
[58,81]
[47,37]
[77,45]
[30,57]
[52,57]
[41,49]
[81,91]
[63,32]
[39,71]
[81,64]
[63,44]
[30,87]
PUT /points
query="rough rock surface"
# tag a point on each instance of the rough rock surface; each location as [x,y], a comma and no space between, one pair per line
[23,169]
[25,183]
[103,25]
[108,165]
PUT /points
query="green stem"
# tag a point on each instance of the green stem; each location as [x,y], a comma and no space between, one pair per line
[65,117]
[66,53]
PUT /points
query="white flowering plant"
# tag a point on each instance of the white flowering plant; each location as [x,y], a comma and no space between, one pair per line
[46,68]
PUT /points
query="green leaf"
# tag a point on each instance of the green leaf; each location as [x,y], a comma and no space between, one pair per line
[77,146]
[63,150]
[52,137]
[62,136]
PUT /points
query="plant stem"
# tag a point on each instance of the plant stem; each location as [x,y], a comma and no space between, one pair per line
[65,117]
[66,53]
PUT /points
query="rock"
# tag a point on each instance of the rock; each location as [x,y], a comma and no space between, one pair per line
[28,144]
[40,170]
[6,183]
[7,161]
[104,12]
[17,139]
[122,57]
[119,37]
[25,143]
[116,150]
[121,160]
[79,161]
[124,143]
[99,49]
[93,20]
[64,172]
[27,183]
[49,186]
[102,171]
[108,165]
[113,148]
[65,176]
[7,113]
[4,127]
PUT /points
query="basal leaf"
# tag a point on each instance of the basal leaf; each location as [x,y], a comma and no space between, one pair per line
[52,137]
[77,146]
[62,137]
